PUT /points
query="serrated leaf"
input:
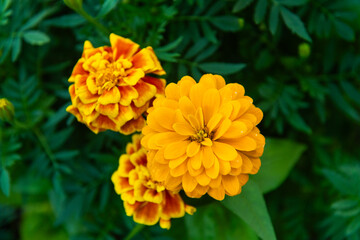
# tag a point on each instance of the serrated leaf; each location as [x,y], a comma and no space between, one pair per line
[294,23]
[206,53]
[221,68]
[274,18]
[226,23]
[292,3]
[169,46]
[35,37]
[250,206]
[106,7]
[208,32]
[344,30]
[5,182]
[241,4]
[260,11]
[278,160]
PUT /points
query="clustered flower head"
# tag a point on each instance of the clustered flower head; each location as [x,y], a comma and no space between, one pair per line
[144,198]
[111,85]
[202,137]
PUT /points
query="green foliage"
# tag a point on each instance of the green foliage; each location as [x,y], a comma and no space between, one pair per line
[298,59]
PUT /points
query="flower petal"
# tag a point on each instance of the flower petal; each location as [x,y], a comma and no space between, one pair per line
[122,47]
[110,110]
[128,93]
[175,150]
[148,213]
[231,185]
[217,193]
[210,103]
[146,92]
[224,151]
[203,179]
[189,183]
[109,96]
[183,128]
[133,76]
[192,149]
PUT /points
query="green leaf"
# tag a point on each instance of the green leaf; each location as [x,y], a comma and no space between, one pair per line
[35,20]
[196,48]
[209,33]
[70,20]
[221,68]
[274,19]
[5,182]
[107,6]
[204,224]
[345,204]
[278,159]
[292,3]
[241,4]
[344,30]
[226,23]
[170,46]
[294,23]
[16,48]
[298,122]
[35,37]
[260,11]
[341,103]
[354,226]
[250,206]
[351,91]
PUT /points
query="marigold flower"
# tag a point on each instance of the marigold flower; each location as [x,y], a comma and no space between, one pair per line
[202,137]
[111,87]
[145,199]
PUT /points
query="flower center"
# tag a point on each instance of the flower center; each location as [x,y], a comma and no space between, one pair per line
[201,134]
[144,175]
[109,74]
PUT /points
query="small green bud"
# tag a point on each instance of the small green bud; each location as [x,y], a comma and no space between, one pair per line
[74,4]
[241,22]
[304,50]
[7,110]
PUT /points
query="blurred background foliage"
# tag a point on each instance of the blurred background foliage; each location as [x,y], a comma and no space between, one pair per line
[298,59]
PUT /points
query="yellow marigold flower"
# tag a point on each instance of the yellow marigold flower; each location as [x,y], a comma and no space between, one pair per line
[203,137]
[145,199]
[111,87]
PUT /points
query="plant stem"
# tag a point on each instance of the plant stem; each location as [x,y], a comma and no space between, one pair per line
[43,141]
[134,231]
[93,21]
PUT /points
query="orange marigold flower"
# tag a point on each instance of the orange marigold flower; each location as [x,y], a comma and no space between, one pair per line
[111,87]
[145,199]
[202,137]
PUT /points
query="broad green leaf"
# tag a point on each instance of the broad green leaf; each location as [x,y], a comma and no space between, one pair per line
[206,224]
[292,3]
[344,30]
[241,4]
[37,223]
[226,23]
[35,37]
[221,68]
[260,11]
[5,182]
[278,159]
[106,7]
[342,103]
[294,23]
[274,18]
[250,206]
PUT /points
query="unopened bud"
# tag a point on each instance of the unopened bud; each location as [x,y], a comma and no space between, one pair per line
[7,111]
[304,50]
[241,23]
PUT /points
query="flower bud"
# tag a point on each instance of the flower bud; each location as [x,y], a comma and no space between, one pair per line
[6,110]
[304,50]
[74,4]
